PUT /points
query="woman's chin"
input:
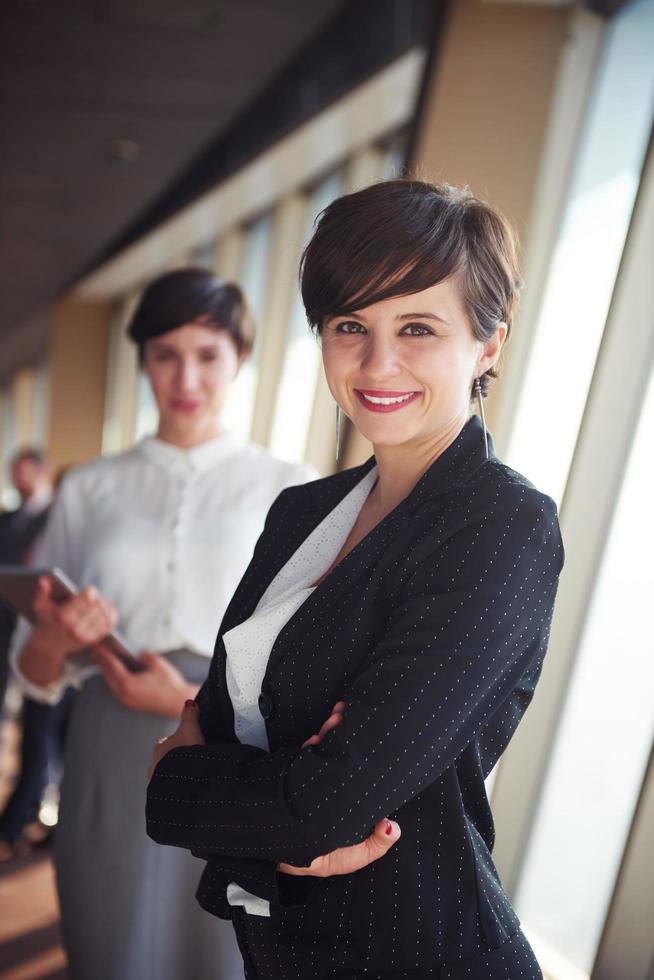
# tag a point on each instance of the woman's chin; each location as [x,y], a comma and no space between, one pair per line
[387,428]
[380,436]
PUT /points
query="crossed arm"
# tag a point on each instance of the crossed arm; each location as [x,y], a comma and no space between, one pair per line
[473,619]
[344,860]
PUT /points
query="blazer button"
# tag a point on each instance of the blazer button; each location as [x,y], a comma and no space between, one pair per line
[265,705]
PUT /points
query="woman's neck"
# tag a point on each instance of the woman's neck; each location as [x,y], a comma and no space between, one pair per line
[185,438]
[401,467]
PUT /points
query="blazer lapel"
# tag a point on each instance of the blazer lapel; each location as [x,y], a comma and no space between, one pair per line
[453,467]
[344,576]
[314,501]
[312,504]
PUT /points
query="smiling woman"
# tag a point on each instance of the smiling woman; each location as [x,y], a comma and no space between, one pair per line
[423,360]
[418,235]
[406,601]
[413,319]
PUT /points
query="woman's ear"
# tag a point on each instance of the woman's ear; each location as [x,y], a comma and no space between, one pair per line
[242,358]
[491,349]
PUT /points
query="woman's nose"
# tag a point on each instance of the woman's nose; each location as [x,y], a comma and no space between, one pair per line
[187,375]
[381,358]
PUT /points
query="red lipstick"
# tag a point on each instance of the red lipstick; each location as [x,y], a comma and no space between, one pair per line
[186,405]
[376,400]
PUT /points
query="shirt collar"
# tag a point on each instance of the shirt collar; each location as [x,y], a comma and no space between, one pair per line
[196,459]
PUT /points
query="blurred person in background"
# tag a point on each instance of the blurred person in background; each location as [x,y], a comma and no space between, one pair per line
[158,537]
[43,726]
[400,610]
[31,477]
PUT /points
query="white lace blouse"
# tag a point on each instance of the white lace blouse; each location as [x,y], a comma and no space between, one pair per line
[248,645]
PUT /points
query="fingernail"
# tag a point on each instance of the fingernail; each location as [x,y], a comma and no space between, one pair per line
[389,828]
[190,704]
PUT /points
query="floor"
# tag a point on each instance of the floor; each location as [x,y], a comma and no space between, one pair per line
[30,945]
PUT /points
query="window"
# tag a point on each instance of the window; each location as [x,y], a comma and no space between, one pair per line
[604,737]
[395,156]
[202,255]
[587,254]
[254,282]
[147,413]
[9,496]
[301,368]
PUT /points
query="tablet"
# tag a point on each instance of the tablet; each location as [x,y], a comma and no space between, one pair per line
[18,586]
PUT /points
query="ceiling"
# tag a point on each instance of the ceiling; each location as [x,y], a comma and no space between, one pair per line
[116,113]
[103,103]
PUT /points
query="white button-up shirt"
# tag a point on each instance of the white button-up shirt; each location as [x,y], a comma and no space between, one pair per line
[165,534]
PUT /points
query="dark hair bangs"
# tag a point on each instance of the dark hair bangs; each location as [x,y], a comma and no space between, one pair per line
[191,296]
[380,257]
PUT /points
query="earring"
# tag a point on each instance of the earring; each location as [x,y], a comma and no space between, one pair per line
[338,428]
[480,400]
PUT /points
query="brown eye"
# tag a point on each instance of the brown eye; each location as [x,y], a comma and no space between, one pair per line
[418,330]
[348,326]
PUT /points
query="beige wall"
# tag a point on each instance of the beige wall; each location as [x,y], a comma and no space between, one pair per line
[24,397]
[79,343]
[487,102]
[487,105]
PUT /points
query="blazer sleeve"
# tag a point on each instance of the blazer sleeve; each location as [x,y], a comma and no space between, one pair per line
[472,619]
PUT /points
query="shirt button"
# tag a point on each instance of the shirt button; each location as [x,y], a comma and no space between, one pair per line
[170,566]
[265,705]
[166,621]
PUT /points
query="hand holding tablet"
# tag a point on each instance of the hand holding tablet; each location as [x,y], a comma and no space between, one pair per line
[35,594]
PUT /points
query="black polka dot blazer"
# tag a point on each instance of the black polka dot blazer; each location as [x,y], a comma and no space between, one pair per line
[433,630]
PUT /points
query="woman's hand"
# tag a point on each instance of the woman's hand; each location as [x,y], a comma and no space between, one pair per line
[346,860]
[61,629]
[188,733]
[159,689]
[80,621]
[335,718]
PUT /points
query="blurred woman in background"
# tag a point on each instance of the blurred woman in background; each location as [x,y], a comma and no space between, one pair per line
[159,537]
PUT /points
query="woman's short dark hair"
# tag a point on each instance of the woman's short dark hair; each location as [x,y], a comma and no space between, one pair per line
[402,236]
[191,296]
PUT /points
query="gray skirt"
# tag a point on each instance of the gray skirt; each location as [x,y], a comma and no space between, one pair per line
[128,905]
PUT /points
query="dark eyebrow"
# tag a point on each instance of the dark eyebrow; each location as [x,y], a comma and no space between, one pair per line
[403,316]
[423,316]
[164,345]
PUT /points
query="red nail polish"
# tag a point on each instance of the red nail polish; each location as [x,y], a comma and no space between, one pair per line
[389,827]
[190,704]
